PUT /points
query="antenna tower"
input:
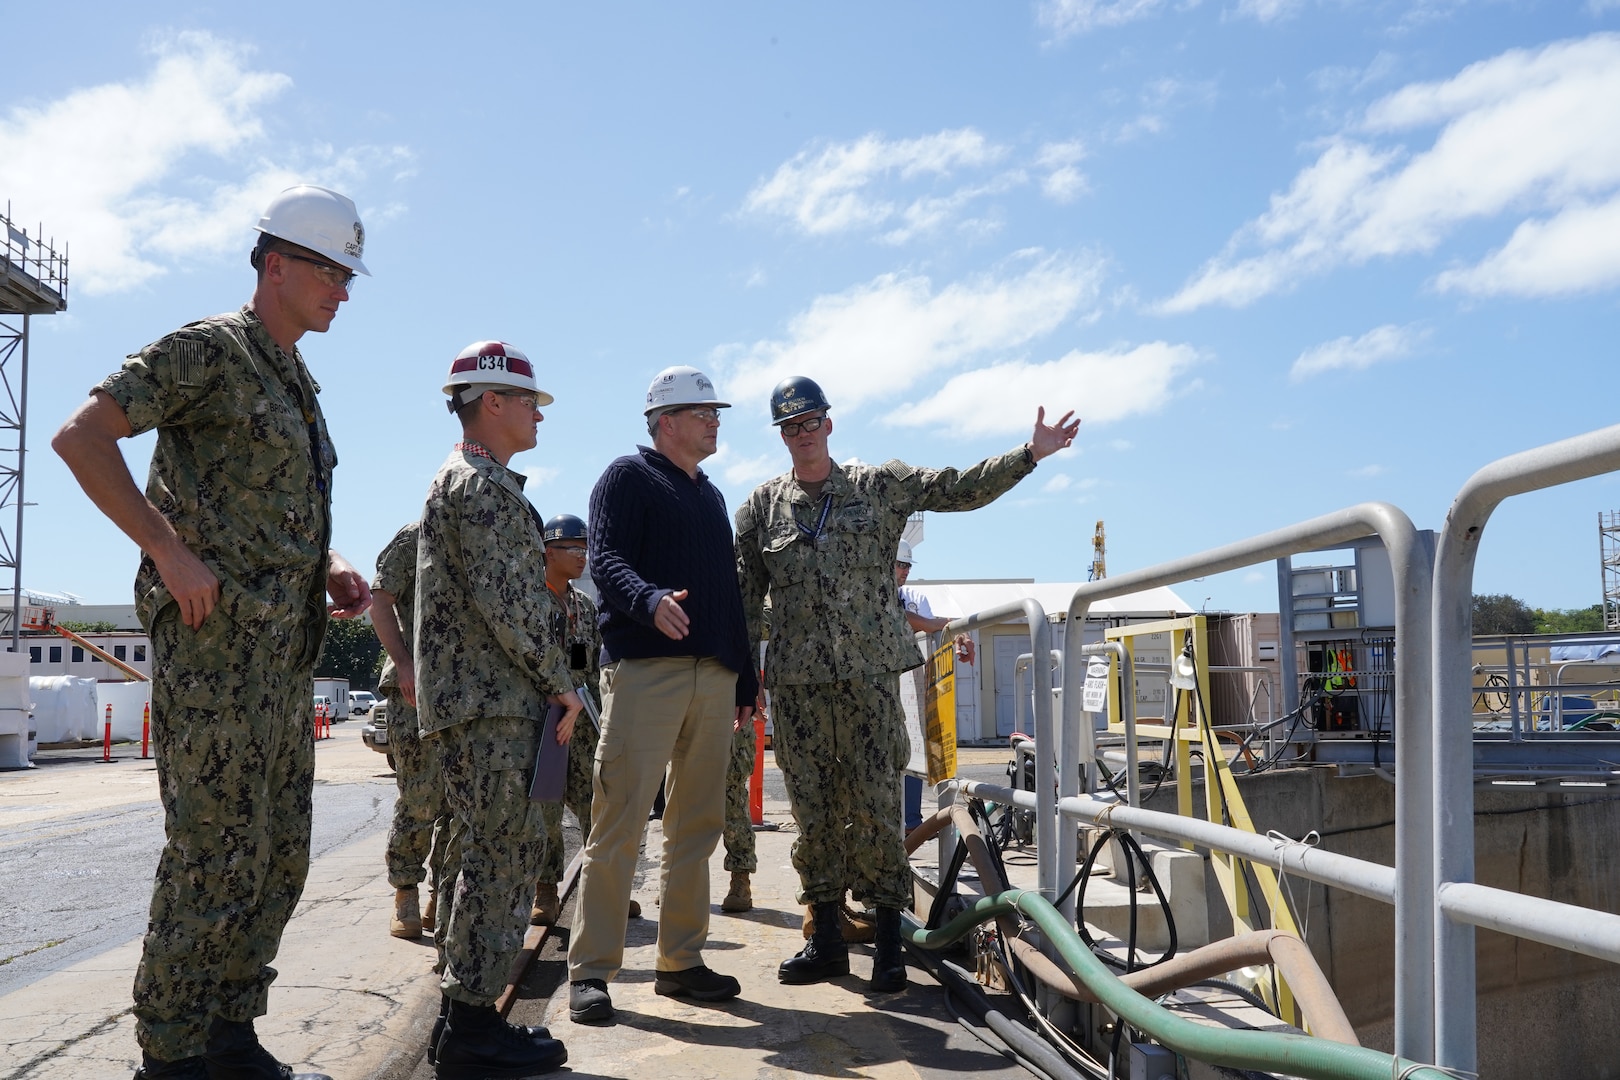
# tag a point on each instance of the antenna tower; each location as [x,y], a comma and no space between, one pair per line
[1609,549]
[33,281]
[1099,548]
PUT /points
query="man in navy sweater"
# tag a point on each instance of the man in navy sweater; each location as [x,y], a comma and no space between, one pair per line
[676,680]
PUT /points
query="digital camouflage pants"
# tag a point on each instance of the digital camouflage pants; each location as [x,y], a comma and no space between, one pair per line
[841,747]
[739,834]
[420,803]
[500,837]
[233,734]
[576,796]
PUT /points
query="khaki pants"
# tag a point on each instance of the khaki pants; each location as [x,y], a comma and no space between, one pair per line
[674,711]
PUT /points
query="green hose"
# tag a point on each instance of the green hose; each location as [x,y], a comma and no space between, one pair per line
[1295,1055]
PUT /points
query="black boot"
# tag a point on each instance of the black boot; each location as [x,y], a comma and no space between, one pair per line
[233,1053]
[824,956]
[889,957]
[533,1033]
[478,1045]
[191,1068]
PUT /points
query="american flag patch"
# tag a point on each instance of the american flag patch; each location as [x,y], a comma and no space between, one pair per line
[190,361]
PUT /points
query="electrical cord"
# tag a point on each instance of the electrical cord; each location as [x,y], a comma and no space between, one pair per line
[1133,851]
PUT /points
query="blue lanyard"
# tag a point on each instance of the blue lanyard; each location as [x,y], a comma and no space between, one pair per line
[821,522]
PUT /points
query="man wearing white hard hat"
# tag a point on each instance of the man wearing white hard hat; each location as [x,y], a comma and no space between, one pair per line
[676,681]
[489,660]
[234,530]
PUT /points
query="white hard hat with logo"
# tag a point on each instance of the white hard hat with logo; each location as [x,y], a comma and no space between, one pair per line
[322,221]
[677,387]
[903,555]
[490,365]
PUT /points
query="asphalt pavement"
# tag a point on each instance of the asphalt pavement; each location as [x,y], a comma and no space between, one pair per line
[79,840]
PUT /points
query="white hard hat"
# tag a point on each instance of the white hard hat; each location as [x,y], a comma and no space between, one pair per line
[488,365]
[322,221]
[903,555]
[677,386]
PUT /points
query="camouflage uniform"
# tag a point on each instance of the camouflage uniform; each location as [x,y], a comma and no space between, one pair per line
[242,471]
[582,641]
[739,832]
[486,657]
[421,803]
[838,641]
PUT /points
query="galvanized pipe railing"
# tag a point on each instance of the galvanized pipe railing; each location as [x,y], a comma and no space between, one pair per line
[1040,644]
[1458,905]
[1363,878]
[1411,560]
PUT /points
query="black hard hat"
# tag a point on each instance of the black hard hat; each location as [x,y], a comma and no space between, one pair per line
[795,396]
[563,527]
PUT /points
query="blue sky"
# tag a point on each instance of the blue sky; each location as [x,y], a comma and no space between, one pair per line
[1282,256]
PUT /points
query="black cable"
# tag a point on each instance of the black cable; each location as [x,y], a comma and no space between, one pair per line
[947,885]
[1132,851]
[1238,991]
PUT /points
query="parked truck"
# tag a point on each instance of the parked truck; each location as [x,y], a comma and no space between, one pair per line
[334,694]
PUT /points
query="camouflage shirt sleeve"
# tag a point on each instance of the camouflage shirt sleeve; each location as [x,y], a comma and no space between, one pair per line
[948,489]
[752,576]
[396,576]
[171,382]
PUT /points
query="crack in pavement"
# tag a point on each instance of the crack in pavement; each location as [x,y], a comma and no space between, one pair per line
[62,1047]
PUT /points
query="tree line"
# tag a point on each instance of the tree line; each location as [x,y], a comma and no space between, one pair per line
[1499,613]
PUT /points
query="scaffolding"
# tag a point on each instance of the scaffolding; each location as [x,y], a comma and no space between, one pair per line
[1609,550]
[33,281]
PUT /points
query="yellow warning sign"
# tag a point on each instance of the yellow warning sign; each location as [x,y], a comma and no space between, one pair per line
[939,714]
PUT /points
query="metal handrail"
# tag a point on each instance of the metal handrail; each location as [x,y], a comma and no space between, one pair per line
[1040,644]
[1454,918]
[1412,565]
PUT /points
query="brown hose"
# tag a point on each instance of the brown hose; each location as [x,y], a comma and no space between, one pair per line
[1292,958]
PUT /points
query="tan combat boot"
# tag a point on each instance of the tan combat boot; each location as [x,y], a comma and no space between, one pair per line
[431,912]
[741,896]
[407,921]
[853,926]
[547,906]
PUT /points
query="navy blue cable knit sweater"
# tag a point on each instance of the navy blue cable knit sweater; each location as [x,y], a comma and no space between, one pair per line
[654,530]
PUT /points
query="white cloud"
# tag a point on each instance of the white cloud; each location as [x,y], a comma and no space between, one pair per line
[1066,18]
[1063,183]
[1576,251]
[1374,347]
[540,475]
[828,191]
[878,339]
[899,189]
[1100,387]
[1367,471]
[199,108]
[1526,131]
[1268,10]
[744,474]
[1059,482]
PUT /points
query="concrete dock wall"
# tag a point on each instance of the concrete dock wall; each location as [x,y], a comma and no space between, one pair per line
[1542,1011]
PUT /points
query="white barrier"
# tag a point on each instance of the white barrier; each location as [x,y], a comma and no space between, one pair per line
[128,701]
[65,708]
